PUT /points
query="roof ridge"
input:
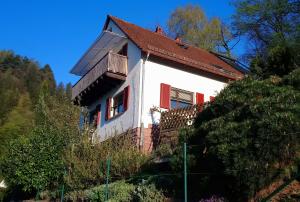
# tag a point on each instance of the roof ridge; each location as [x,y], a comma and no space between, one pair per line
[170,45]
[169,38]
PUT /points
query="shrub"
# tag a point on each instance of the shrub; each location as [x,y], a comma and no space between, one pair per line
[35,163]
[250,133]
[87,161]
[147,193]
[118,191]
[213,199]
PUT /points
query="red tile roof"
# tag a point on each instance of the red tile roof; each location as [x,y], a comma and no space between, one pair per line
[167,48]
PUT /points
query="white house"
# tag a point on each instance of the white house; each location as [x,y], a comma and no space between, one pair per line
[128,70]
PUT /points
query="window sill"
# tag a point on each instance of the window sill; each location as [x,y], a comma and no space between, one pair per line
[116,116]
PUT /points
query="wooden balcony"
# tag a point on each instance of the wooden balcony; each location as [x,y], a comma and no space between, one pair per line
[106,74]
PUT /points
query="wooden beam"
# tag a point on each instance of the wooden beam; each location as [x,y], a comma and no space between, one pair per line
[115,76]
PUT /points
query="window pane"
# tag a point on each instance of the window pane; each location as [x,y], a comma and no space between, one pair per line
[183,104]
[173,104]
[120,108]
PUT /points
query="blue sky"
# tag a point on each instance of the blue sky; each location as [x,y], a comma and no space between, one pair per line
[57,32]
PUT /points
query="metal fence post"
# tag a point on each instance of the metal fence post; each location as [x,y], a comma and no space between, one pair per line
[37,196]
[63,188]
[185,172]
[107,178]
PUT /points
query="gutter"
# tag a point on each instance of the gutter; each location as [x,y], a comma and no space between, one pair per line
[142,101]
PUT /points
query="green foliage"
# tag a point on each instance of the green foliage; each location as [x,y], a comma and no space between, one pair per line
[147,193]
[280,60]
[48,77]
[177,158]
[163,150]
[265,21]
[273,30]
[293,79]
[119,191]
[9,93]
[191,24]
[87,160]
[38,123]
[35,163]
[250,133]
[18,123]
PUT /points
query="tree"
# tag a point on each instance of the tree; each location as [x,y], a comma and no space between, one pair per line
[19,123]
[191,24]
[69,91]
[49,77]
[266,21]
[35,163]
[273,30]
[37,125]
[249,135]
[35,167]
[10,88]
[279,60]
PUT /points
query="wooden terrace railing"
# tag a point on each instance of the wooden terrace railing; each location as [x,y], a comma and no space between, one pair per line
[111,62]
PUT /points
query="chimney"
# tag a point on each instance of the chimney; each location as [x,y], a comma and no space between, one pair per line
[178,39]
[159,30]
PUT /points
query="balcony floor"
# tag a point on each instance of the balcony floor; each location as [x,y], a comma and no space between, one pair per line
[101,86]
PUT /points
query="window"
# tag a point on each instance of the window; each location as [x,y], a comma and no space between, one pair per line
[117,104]
[180,98]
[95,116]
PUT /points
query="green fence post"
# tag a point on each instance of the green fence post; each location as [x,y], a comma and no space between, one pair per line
[185,172]
[63,188]
[37,196]
[107,178]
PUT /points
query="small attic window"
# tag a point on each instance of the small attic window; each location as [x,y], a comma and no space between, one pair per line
[109,29]
[181,45]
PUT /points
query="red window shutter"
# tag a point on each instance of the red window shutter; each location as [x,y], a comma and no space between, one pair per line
[126,97]
[98,117]
[98,108]
[165,90]
[199,98]
[107,109]
[211,98]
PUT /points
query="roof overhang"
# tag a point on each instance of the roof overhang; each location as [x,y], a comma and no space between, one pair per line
[107,41]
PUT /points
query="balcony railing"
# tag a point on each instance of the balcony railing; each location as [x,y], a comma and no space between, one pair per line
[111,62]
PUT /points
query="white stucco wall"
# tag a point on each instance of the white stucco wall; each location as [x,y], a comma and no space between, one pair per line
[155,74]
[129,119]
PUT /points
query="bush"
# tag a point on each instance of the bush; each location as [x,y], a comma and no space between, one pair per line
[87,161]
[213,199]
[118,191]
[147,193]
[35,163]
[249,134]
